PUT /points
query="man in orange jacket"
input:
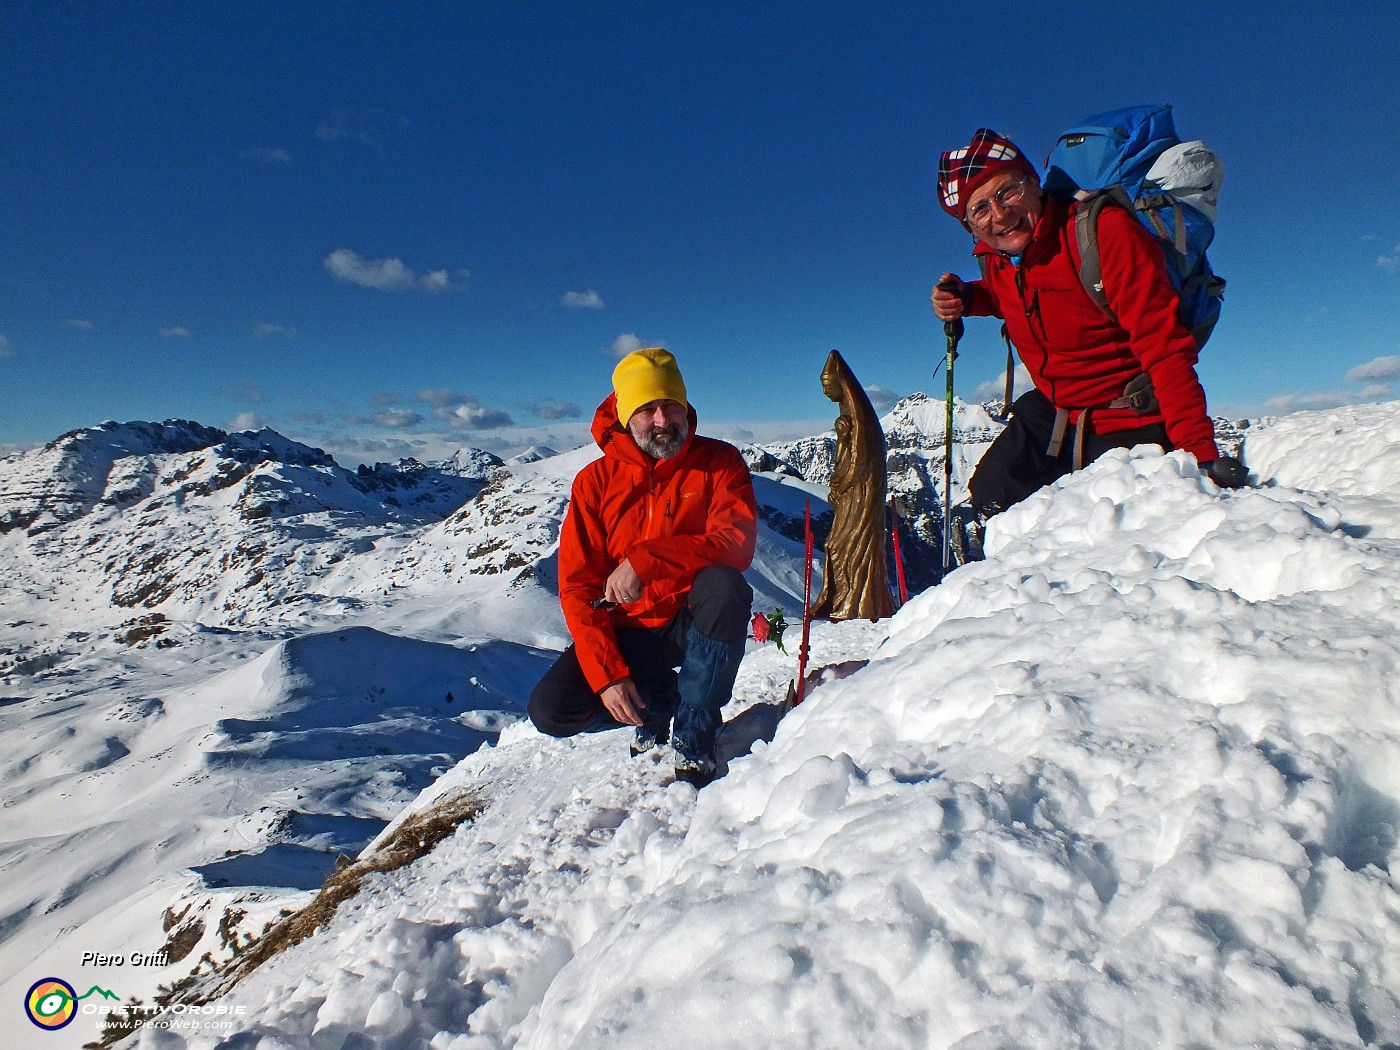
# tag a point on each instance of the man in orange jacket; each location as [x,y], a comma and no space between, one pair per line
[651,558]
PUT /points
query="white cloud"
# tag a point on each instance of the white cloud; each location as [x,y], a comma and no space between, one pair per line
[882,399]
[389,275]
[397,418]
[1378,392]
[463,410]
[475,416]
[627,342]
[1299,402]
[758,432]
[995,389]
[174,332]
[589,300]
[553,408]
[246,421]
[79,324]
[5,350]
[352,451]
[386,275]
[1390,262]
[268,331]
[1380,370]
[441,398]
[435,282]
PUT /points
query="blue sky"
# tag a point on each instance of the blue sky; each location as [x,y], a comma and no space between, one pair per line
[402,228]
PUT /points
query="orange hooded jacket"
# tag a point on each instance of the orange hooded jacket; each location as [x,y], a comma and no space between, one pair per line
[670,517]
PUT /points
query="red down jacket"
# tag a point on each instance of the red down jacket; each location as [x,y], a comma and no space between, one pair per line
[670,518]
[1076,355]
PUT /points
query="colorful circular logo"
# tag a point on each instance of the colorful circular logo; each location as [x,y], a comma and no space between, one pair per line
[51,1003]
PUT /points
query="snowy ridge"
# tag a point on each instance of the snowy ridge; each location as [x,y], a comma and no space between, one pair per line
[183,822]
[1132,782]
[1129,783]
[199,524]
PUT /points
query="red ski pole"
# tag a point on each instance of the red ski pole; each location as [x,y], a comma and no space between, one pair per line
[898,558]
[806,609]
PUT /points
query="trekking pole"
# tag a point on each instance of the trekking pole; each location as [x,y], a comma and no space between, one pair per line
[806,609]
[953,330]
[1010,373]
[898,557]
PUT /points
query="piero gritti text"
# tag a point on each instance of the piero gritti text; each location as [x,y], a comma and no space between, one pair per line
[160,958]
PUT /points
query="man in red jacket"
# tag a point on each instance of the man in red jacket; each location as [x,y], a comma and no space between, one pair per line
[1090,371]
[651,558]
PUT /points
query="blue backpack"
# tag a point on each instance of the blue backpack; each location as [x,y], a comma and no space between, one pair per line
[1134,158]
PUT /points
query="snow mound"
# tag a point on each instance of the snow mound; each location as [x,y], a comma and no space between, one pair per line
[1354,450]
[1088,793]
[182,821]
[1132,782]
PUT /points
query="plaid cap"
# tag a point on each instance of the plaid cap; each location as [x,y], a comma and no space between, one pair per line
[961,171]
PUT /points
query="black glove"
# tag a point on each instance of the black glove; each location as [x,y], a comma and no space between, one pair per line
[1227,472]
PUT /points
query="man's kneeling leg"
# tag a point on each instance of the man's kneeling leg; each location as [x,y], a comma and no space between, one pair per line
[720,601]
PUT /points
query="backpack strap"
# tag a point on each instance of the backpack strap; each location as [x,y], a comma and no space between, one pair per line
[1152,205]
[1057,433]
[1086,237]
[1149,210]
[1137,395]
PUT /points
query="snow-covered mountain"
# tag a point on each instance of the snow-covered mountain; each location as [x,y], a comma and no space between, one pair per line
[199,525]
[243,660]
[1129,782]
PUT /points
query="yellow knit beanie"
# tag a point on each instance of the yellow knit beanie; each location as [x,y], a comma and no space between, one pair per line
[644,376]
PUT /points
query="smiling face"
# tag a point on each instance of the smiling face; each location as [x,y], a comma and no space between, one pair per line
[1003,211]
[660,428]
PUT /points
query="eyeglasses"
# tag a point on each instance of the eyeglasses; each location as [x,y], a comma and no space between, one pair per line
[980,214]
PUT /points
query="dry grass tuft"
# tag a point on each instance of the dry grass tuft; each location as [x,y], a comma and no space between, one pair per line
[414,838]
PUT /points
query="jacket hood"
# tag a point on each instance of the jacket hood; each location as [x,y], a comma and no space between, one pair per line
[615,440]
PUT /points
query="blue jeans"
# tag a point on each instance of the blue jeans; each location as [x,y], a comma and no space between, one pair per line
[705,639]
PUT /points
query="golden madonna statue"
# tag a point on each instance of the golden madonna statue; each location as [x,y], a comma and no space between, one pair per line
[855,584]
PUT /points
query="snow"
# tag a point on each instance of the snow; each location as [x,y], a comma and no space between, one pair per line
[1134,781]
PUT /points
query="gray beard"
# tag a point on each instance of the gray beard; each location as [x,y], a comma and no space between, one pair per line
[663,442]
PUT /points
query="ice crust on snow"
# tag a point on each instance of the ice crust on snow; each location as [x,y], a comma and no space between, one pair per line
[1134,781]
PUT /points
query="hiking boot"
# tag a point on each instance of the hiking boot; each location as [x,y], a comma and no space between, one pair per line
[696,771]
[661,700]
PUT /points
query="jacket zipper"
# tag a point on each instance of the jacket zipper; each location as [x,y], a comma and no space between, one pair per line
[651,503]
[1032,309]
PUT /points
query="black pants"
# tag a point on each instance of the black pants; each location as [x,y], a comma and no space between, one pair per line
[718,606]
[1017,463]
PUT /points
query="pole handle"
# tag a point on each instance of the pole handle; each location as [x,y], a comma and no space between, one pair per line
[952,329]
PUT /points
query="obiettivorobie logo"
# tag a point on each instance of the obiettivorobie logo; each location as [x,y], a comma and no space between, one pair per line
[52,1002]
